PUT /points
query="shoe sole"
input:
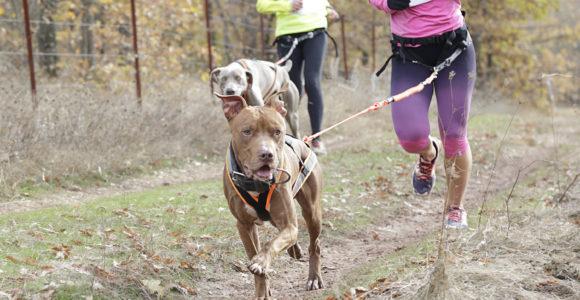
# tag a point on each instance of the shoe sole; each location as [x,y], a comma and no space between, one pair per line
[426,193]
[456,227]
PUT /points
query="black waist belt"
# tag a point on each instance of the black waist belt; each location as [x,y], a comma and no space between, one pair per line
[289,38]
[450,41]
[447,37]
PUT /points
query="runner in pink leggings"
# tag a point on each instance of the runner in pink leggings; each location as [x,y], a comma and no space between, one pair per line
[426,32]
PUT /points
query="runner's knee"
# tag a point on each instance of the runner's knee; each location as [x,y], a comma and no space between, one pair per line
[455,146]
[415,145]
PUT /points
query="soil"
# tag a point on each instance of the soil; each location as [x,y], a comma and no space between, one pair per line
[416,218]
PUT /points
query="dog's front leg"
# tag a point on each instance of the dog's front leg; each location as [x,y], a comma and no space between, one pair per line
[249,236]
[287,237]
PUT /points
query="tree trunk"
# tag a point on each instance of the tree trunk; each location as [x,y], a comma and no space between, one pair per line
[87,43]
[46,38]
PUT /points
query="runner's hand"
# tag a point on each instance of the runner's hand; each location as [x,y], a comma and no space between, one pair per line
[333,14]
[296,5]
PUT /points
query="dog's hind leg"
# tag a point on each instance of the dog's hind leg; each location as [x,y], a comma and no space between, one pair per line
[309,200]
[250,239]
[295,251]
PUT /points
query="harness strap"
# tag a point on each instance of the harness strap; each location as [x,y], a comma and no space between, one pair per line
[333,40]
[385,65]
[269,91]
[306,166]
[261,202]
[305,172]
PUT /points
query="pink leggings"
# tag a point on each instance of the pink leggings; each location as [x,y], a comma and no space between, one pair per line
[453,90]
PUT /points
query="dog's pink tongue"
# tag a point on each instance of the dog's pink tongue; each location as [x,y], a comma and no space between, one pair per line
[264,173]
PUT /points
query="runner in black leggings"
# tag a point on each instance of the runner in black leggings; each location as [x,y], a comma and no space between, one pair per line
[293,19]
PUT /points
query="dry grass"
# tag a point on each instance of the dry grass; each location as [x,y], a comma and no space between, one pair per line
[94,132]
[80,130]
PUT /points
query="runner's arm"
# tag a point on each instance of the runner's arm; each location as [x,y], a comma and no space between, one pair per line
[390,6]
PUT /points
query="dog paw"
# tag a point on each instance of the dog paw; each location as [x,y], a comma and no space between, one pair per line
[259,265]
[314,283]
[295,251]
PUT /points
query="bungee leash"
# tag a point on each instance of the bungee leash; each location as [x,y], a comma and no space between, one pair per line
[396,98]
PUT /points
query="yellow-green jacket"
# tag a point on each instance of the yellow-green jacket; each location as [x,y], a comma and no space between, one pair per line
[310,17]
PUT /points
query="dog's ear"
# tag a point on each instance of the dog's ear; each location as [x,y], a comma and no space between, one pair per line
[249,79]
[232,105]
[277,105]
[213,76]
[288,65]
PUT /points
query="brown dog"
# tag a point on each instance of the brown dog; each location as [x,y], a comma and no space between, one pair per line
[265,171]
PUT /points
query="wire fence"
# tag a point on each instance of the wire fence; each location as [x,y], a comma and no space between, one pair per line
[130,44]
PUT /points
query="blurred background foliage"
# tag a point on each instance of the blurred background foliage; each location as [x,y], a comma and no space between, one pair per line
[517,40]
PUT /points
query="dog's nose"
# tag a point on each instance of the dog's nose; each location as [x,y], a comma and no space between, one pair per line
[230,92]
[266,155]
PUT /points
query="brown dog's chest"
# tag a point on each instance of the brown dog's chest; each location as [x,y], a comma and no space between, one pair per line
[257,206]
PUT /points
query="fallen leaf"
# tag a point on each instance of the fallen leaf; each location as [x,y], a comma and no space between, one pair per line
[186,265]
[87,232]
[238,266]
[61,251]
[102,273]
[31,261]
[13,259]
[190,290]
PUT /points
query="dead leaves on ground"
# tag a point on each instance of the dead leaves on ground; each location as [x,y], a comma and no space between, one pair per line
[61,251]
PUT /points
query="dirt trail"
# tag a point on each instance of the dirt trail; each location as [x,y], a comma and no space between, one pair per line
[417,217]
[187,173]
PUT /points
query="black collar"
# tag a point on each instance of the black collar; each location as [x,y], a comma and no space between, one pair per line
[241,180]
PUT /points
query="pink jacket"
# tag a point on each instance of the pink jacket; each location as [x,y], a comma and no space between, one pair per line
[424,20]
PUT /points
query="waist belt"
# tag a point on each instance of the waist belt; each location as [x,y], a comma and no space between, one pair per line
[298,38]
[453,43]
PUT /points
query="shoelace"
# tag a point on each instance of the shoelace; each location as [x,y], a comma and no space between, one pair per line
[454,215]
[425,169]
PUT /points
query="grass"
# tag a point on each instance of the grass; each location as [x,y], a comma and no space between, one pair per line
[180,233]
[157,224]
[389,267]
[175,233]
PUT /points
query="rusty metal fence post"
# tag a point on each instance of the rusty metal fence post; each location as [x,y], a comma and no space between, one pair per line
[30,53]
[136,53]
[208,30]
[344,51]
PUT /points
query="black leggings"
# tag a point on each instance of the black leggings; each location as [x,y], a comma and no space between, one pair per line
[308,55]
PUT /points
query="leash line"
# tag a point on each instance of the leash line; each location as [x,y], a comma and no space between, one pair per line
[380,104]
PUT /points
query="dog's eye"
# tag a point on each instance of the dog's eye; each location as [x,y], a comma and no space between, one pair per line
[277,132]
[238,78]
[247,132]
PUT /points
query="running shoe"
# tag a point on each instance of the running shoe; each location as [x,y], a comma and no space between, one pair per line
[318,147]
[456,218]
[424,173]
